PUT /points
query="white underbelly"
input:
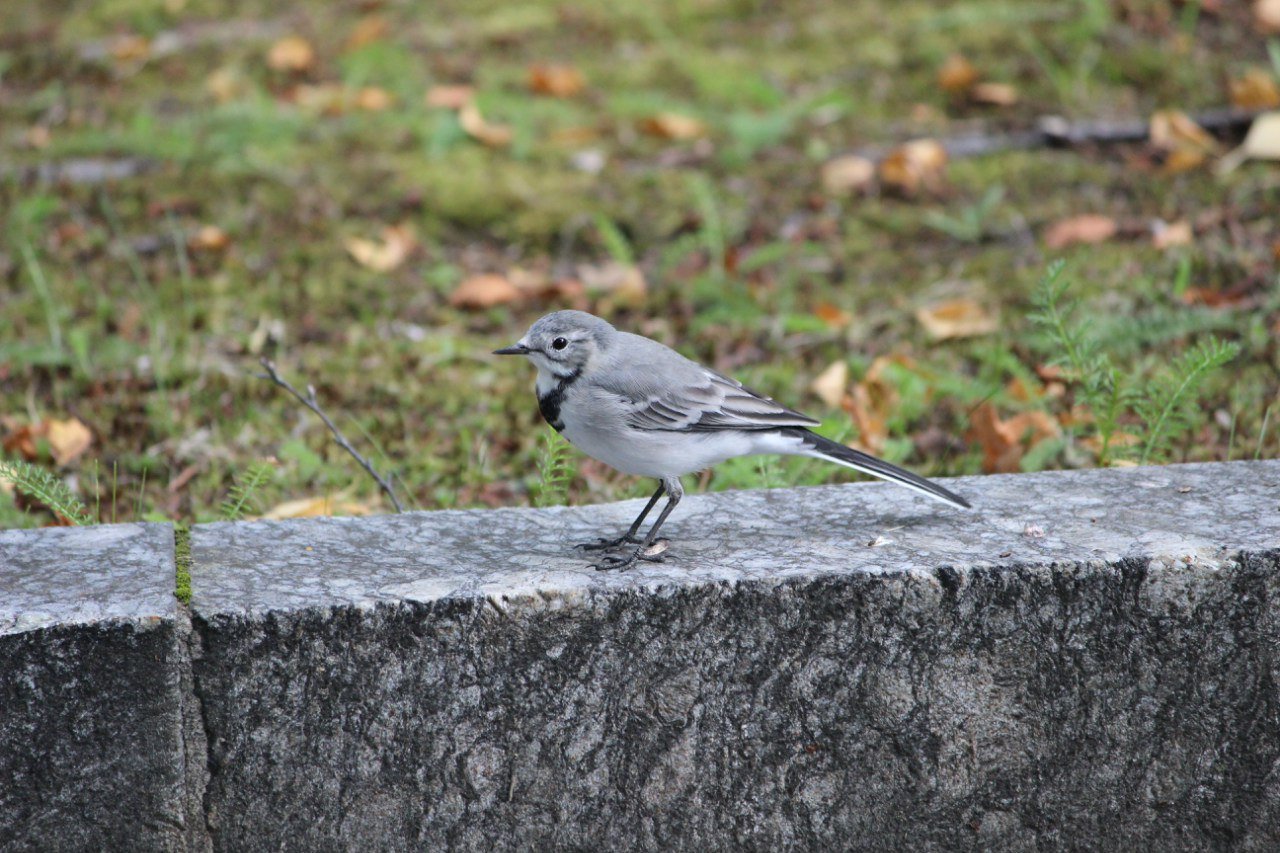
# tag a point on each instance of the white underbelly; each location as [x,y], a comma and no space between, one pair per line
[658,454]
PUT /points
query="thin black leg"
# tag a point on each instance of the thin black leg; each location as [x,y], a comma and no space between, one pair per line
[630,536]
[674,492]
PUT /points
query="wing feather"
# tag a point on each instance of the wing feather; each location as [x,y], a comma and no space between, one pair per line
[708,401]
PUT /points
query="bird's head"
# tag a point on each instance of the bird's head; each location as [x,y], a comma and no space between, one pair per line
[563,342]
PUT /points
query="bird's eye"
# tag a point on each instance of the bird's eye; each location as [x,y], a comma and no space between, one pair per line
[559,343]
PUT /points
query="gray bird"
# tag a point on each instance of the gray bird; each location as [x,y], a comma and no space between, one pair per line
[644,409]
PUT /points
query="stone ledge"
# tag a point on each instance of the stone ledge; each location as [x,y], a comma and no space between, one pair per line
[1087,655]
[90,717]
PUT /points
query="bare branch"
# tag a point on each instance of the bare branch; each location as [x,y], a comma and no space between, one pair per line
[309,400]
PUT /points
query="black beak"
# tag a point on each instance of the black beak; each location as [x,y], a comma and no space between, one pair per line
[514,349]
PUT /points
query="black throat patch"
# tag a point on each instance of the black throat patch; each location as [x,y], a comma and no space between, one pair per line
[549,403]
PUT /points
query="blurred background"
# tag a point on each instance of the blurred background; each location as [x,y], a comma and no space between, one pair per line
[853,207]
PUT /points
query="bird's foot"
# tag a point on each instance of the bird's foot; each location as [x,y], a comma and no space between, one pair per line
[652,554]
[603,544]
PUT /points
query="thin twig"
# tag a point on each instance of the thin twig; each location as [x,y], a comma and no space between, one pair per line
[309,400]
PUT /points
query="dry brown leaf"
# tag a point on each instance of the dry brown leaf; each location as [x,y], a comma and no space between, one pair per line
[449,97]
[1088,228]
[130,49]
[673,126]
[22,441]
[912,166]
[830,385]
[1266,16]
[832,315]
[1255,90]
[957,75]
[484,291]
[493,135]
[68,439]
[322,506]
[871,402]
[559,81]
[37,136]
[1213,298]
[373,99]
[847,174]
[367,30]
[291,54]
[327,98]
[1261,143]
[956,318]
[225,84]
[385,255]
[622,284]
[1004,443]
[1186,144]
[994,94]
[1167,235]
[209,238]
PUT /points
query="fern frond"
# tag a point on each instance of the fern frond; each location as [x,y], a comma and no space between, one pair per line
[1164,406]
[43,486]
[240,498]
[554,471]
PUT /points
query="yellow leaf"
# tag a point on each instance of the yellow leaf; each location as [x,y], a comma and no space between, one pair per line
[373,99]
[67,439]
[559,81]
[847,174]
[1255,90]
[484,291]
[1089,228]
[918,164]
[449,97]
[225,84]
[994,94]
[957,75]
[387,255]
[322,506]
[956,318]
[493,135]
[1166,235]
[210,238]
[1186,143]
[673,126]
[291,54]
[832,383]
[367,30]
[130,48]
[1261,143]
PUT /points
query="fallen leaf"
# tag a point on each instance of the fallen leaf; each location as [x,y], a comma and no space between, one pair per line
[1088,228]
[68,439]
[1255,90]
[833,316]
[291,54]
[315,507]
[994,94]
[832,383]
[385,256]
[872,401]
[957,75]
[484,291]
[225,84]
[1167,235]
[209,238]
[131,48]
[956,318]
[847,174]
[1005,442]
[373,99]
[673,126]
[1212,298]
[22,441]
[559,81]
[449,97]
[623,284]
[37,136]
[327,98]
[493,135]
[918,164]
[367,30]
[1266,16]
[1261,143]
[1186,144]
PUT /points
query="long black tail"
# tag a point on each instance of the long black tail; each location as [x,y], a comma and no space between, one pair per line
[859,461]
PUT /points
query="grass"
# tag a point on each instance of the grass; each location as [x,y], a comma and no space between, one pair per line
[112,312]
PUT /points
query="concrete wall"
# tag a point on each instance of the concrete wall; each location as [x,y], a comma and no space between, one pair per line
[1088,658]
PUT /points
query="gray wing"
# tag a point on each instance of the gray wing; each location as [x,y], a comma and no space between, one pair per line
[671,393]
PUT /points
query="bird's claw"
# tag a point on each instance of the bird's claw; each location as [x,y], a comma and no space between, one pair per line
[603,544]
[651,554]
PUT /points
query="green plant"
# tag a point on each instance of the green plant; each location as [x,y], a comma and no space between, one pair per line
[1164,404]
[969,223]
[240,499]
[553,471]
[41,485]
[182,562]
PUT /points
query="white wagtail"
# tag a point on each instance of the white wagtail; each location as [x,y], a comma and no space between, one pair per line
[644,409]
